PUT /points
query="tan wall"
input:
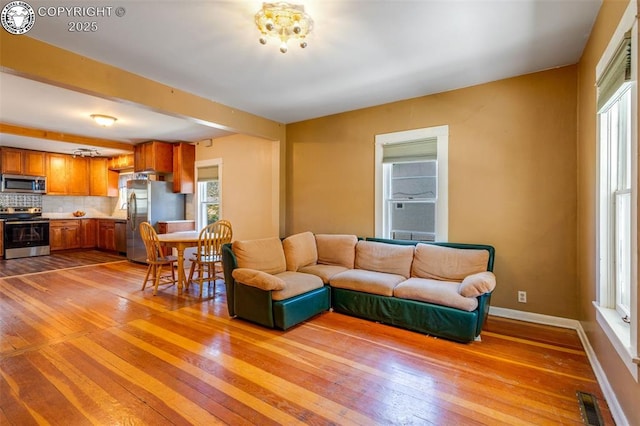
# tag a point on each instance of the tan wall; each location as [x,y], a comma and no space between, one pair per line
[250,183]
[626,389]
[512,183]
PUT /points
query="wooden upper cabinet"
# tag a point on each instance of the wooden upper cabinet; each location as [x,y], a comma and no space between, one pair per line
[121,162]
[67,175]
[77,176]
[153,156]
[33,163]
[184,158]
[103,182]
[56,174]
[23,162]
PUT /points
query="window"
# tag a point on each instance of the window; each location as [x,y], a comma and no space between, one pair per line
[617,191]
[208,194]
[411,184]
[410,189]
[123,178]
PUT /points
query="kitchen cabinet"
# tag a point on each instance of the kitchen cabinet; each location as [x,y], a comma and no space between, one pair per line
[121,162]
[103,182]
[169,226]
[184,158]
[67,175]
[77,176]
[23,162]
[64,234]
[121,236]
[88,233]
[56,174]
[154,156]
[1,239]
[106,234]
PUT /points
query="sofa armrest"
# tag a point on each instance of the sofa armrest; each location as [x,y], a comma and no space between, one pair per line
[258,279]
[477,284]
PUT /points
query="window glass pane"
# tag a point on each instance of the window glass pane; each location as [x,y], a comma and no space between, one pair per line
[413,220]
[209,199]
[414,181]
[213,212]
[624,142]
[623,252]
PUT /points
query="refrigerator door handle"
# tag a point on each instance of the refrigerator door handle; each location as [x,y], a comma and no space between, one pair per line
[132,211]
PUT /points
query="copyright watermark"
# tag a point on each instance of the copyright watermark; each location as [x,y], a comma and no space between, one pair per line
[18,17]
[82,11]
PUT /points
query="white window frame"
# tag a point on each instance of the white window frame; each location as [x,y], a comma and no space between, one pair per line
[623,336]
[216,162]
[442,204]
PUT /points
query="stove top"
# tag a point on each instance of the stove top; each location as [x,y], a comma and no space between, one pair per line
[9,210]
[21,213]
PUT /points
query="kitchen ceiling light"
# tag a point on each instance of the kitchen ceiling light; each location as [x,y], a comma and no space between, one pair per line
[104,120]
[283,21]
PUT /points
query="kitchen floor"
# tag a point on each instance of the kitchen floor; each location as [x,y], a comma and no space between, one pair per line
[57,260]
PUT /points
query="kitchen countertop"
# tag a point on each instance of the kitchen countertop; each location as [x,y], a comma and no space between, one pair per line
[67,216]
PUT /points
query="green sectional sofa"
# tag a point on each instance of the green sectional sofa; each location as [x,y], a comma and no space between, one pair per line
[440,289]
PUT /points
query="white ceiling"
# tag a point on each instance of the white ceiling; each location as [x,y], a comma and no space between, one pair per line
[360,53]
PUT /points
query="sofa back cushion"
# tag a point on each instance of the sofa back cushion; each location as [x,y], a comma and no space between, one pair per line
[300,251]
[265,255]
[381,257]
[336,249]
[447,263]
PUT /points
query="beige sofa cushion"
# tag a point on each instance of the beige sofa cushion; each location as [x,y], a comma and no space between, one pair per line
[381,257]
[336,249]
[265,255]
[300,250]
[295,283]
[476,284]
[325,272]
[258,279]
[447,263]
[367,281]
[435,291]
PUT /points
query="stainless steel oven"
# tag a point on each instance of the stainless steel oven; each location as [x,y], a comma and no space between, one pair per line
[25,234]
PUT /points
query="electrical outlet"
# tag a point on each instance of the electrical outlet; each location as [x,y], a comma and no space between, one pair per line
[522,297]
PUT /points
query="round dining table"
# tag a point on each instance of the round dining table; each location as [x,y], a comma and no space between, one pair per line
[180,240]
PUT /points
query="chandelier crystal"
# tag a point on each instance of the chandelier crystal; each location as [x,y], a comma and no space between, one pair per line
[283,21]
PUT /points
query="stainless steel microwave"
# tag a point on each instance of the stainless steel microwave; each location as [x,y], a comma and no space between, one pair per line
[24,184]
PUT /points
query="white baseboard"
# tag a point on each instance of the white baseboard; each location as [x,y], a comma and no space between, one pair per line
[601,377]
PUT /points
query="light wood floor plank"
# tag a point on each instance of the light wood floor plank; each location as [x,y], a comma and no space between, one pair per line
[84,345]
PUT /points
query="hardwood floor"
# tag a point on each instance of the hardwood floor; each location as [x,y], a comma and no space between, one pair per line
[57,260]
[86,346]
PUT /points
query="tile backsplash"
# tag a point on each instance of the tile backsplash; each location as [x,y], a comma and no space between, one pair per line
[64,205]
[20,200]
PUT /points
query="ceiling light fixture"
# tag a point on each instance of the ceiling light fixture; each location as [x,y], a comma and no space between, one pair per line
[85,152]
[104,120]
[283,21]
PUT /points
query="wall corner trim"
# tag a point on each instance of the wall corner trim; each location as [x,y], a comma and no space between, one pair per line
[609,394]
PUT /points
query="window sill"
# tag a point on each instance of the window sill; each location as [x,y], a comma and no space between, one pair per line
[619,333]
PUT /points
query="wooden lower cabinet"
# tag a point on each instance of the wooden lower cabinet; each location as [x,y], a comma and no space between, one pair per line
[107,234]
[67,234]
[88,233]
[64,234]
[1,239]
[176,226]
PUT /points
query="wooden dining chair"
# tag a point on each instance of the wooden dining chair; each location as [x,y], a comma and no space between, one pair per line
[208,256]
[156,259]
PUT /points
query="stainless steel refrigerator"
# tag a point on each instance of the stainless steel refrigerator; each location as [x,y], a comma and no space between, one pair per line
[149,201]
